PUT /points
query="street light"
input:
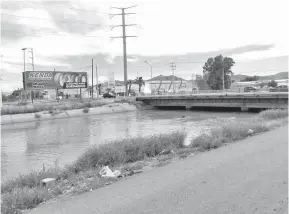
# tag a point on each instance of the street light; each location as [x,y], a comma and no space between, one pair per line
[31,49]
[151,73]
[151,68]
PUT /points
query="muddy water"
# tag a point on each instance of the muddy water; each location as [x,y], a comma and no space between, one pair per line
[26,147]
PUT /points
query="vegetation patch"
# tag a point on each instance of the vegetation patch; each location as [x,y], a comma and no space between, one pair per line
[37,116]
[85,110]
[234,130]
[83,175]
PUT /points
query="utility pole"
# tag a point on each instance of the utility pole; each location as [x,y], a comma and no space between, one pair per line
[97,91]
[124,36]
[173,66]
[24,76]
[32,58]
[92,78]
[223,78]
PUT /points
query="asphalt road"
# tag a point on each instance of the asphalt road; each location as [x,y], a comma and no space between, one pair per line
[250,176]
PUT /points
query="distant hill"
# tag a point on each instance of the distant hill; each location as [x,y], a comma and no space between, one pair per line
[278,76]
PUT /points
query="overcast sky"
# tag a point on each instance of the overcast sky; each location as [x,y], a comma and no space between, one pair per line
[65,35]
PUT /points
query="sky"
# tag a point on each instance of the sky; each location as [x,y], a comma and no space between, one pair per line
[65,35]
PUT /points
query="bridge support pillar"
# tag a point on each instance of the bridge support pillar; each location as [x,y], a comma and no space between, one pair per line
[244,109]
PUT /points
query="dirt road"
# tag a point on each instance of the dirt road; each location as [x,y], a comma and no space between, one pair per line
[250,176]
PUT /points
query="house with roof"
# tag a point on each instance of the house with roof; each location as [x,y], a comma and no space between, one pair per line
[167,84]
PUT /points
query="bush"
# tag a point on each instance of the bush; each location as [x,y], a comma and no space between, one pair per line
[33,179]
[206,142]
[22,199]
[85,110]
[228,133]
[274,114]
[128,150]
[37,116]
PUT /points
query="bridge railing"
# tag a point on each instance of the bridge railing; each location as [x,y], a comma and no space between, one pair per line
[204,92]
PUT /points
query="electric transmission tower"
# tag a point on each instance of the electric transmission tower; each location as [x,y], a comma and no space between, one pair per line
[173,66]
[124,36]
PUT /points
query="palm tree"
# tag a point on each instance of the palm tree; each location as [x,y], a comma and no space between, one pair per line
[140,83]
[99,88]
[129,83]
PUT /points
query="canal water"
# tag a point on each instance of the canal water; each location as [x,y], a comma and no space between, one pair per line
[27,146]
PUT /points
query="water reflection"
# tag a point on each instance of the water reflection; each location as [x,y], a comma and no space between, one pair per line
[28,146]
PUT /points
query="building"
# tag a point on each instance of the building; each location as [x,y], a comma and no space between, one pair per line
[167,84]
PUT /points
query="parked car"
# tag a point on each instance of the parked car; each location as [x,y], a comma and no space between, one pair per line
[133,94]
[250,89]
[108,95]
[120,94]
[280,88]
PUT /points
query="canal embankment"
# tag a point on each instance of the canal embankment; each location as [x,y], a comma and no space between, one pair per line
[12,114]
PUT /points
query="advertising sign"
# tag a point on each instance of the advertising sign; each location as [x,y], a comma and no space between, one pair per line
[54,80]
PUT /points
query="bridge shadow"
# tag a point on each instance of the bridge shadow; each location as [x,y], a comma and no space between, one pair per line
[209,109]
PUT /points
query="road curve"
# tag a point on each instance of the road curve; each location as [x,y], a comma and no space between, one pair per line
[250,176]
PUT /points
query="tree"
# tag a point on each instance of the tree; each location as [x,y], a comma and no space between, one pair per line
[213,70]
[4,98]
[201,82]
[16,93]
[272,83]
[262,84]
[129,83]
[248,79]
[140,82]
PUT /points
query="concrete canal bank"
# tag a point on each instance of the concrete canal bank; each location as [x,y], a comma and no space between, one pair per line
[41,116]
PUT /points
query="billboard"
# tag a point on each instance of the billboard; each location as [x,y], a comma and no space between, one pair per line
[54,80]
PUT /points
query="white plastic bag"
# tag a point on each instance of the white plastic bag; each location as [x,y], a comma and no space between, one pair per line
[106,172]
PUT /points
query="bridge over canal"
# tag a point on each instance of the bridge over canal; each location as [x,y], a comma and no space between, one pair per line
[244,101]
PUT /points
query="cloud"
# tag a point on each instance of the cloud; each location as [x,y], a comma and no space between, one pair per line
[67,39]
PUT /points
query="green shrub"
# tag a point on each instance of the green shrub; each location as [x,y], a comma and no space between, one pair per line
[128,150]
[32,179]
[274,114]
[37,116]
[23,198]
[85,110]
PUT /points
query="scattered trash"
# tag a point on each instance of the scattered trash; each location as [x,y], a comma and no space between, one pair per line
[232,118]
[162,152]
[106,172]
[90,190]
[48,181]
[250,131]
[108,183]
[130,173]
[192,154]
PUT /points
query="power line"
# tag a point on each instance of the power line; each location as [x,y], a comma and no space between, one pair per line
[45,34]
[43,3]
[124,36]
[88,66]
[86,69]
[62,21]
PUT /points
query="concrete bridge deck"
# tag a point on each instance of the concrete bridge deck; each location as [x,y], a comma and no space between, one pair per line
[245,101]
